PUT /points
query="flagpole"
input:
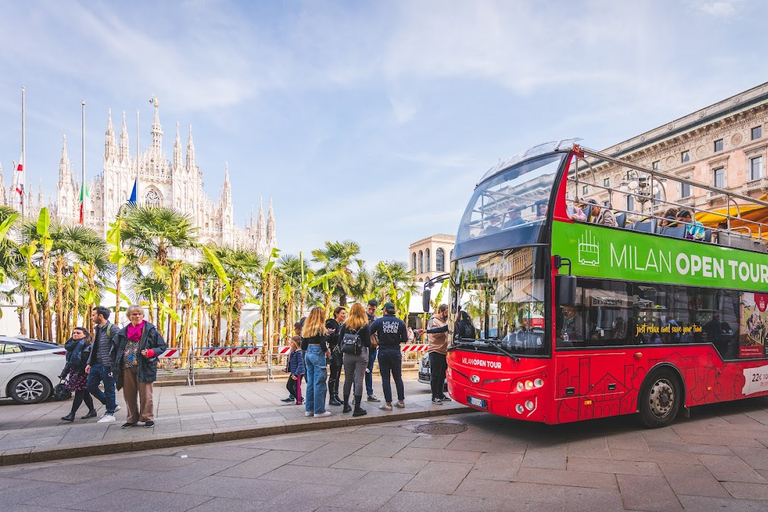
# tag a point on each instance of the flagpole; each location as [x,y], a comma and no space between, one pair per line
[82,183]
[138,133]
[23,147]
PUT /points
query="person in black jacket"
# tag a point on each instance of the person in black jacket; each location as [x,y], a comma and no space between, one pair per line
[391,332]
[100,363]
[78,349]
[355,364]
[137,346]
[334,375]
[314,344]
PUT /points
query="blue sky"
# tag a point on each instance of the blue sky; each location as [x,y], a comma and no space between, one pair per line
[362,120]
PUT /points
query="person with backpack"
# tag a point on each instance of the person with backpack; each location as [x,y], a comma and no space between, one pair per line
[355,340]
[79,348]
[437,335]
[100,363]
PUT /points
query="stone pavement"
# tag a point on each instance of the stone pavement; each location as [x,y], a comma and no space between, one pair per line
[715,461]
[185,415]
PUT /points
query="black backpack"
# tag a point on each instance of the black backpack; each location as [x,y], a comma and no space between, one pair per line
[467,330]
[351,344]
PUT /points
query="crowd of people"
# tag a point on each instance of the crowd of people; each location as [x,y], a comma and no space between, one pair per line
[322,348]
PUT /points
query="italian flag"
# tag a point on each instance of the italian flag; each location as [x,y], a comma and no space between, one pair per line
[83,194]
[18,180]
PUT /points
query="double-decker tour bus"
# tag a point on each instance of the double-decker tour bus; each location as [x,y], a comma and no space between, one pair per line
[584,311]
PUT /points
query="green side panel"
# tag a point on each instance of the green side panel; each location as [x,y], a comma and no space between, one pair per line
[597,251]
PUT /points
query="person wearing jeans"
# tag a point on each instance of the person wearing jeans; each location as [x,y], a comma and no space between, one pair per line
[391,332]
[370,310]
[100,363]
[315,347]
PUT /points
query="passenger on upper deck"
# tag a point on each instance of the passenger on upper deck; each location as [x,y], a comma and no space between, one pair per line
[514,218]
[694,230]
[669,219]
[602,216]
[576,213]
[541,209]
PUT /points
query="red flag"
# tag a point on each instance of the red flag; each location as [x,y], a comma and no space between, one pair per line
[18,179]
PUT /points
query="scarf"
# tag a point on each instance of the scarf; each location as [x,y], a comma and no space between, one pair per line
[134,331]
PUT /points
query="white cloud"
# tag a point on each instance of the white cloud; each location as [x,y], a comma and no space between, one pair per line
[402,110]
[723,8]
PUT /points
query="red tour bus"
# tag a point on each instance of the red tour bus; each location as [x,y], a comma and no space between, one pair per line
[577,320]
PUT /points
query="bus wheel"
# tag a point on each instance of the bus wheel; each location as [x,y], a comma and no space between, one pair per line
[660,399]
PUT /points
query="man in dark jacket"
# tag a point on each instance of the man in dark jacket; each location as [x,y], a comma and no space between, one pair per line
[391,332]
[370,310]
[100,363]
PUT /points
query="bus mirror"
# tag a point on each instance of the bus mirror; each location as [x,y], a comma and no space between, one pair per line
[565,288]
[425,300]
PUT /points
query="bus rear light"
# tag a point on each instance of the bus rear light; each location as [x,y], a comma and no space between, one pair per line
[520,386]
[538,383]
[529,405]
[529,384]
[519,409]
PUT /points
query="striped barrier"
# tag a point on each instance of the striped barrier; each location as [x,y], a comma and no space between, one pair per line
[171,353]
[406,348]
[229,351]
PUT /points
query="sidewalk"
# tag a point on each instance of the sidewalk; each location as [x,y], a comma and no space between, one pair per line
[188,415]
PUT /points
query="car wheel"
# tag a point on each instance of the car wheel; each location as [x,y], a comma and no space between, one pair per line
[660,399]
[30,389]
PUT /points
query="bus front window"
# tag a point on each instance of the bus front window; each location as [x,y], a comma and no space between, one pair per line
[504,297]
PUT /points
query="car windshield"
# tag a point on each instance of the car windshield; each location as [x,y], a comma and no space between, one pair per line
[504,297]
[513,199]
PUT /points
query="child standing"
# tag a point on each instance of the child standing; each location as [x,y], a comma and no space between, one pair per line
[296,369]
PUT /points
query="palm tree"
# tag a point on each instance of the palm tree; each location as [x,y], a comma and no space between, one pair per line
[400,284]
[243,268]
[336,259]
[154,234]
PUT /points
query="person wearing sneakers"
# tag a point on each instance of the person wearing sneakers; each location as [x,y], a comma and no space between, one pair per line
[296,369]
[314,344]
[354,364]
[370,311]
[100,363]
[391,332]
[437,337]
[138,345]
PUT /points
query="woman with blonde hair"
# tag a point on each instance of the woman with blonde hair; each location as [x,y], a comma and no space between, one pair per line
[314,344]
[355,364]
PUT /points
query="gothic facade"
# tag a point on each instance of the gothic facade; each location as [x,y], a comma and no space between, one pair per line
[176,183]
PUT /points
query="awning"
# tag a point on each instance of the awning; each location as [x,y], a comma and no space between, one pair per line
[745,216]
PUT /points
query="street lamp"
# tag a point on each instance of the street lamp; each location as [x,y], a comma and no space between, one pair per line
[643,188]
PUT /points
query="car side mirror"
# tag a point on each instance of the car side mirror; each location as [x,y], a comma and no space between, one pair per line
[565,289]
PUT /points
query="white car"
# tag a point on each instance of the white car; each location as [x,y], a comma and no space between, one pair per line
[29,369]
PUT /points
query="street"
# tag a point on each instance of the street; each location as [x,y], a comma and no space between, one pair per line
[715,460]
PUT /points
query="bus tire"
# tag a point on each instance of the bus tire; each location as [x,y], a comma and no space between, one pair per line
[660,398]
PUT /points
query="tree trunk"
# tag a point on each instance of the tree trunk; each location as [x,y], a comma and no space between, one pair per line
[61,332]
[76,296]
[175,285]
[200,315]
[118,276]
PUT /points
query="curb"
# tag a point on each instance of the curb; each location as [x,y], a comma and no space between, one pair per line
[82,450]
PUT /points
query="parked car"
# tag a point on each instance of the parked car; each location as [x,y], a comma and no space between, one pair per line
[29,369]
[424,372]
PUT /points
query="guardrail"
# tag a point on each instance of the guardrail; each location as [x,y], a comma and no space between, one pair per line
[250,353]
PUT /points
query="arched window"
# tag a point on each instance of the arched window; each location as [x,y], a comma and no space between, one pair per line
[440,260]
[152,199]
[451,254]
[414,262]
[421,262]
[429,261]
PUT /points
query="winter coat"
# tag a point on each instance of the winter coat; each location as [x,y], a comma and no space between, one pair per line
[296,362]
[78,354]
[147,367]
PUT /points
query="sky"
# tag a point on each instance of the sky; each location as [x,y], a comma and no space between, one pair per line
[361,120]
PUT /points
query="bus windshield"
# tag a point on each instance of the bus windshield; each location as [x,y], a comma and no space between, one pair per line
[504,296]
[513,199]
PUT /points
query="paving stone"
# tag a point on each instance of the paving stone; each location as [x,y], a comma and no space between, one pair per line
[262,464]
[150,462]
[437,455]
[333,477]
[626,441]
[730,469]
[655,456]
[548,457]
[496,466]
[708,504]
[431,442]
[692,448]
[298,444]
[693,480]
[149,501]
[237,488]
[175,478]
[567,478]
[327,454]
[518,491]
[382,488]
[595,448]
[303,497]
[626,467]
[65,474]
[747,491]
[418,501]
[217,451]
[383,446]
[647,493]
[757,458]
[387,464]
[439,477]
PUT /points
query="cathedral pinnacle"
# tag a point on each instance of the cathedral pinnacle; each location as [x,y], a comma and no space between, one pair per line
[124,140]
[157,132]
[110,149]
[177,150]
[190,152]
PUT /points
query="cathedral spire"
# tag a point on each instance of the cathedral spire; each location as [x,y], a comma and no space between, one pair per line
[226,192]
[110,149]
[190,152]
[177,150]
[124,141]
[271,239]
[157,132]
[65,170]
[250,226]
[2,187]
[260,228]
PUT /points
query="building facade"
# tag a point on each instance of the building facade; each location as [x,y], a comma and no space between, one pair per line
[431,256]
[175,183]
[722,146]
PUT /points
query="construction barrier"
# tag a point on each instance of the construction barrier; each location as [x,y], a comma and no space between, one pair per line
[171,353]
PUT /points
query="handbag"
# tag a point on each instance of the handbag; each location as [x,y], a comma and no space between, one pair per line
[351,344]
[60,392]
